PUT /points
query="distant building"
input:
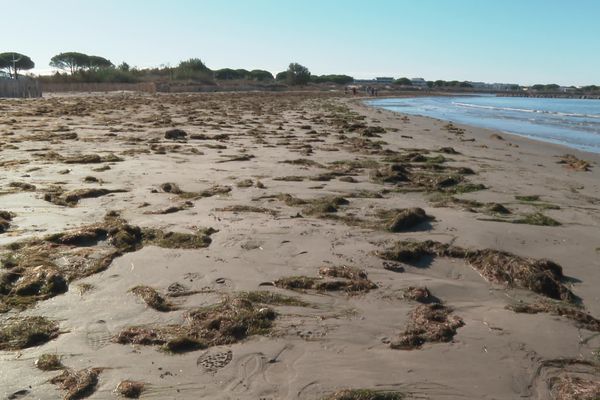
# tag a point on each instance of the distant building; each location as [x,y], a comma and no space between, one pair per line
[503,86]
[479,85]
[418,82]
[384,79]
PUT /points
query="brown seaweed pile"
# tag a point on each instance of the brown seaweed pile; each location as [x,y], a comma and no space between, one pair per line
[540,276]
[429,323]
[334,278]
[232,320]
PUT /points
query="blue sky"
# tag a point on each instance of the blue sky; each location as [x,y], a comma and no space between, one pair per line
[520,41]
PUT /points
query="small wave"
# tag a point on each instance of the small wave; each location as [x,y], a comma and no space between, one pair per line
[562,114]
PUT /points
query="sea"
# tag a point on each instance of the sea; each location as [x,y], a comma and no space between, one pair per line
[573,123]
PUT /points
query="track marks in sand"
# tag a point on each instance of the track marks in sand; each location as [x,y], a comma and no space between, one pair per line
[97,335]
[211,361]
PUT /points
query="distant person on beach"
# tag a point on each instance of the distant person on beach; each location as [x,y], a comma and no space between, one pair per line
[354,91]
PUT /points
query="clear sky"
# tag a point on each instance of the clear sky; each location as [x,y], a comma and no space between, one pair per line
[513,41]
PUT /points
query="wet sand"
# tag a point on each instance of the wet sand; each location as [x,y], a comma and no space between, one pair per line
[294,185]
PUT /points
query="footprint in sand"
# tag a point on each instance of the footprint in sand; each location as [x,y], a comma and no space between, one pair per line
[212,361]
[97,334]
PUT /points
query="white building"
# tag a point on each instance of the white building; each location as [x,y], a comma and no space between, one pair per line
[419,82]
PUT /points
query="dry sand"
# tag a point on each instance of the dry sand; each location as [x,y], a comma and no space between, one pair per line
[341,338]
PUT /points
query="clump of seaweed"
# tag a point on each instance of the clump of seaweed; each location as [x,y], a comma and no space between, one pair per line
[130,389]
[528,198]
[152,298]
[240,208]
[572,162]
[303,162]
[245,183]
[71,198]
[175,134]
[24,186]
[343,271]
[420,294]
[211,191]
[402,220]
[324,205]
[428,323]
[41,268]
[537,218]
[290,200]
[393,173]
[5,219]
[177,240]
[581,318]
[497,208]
[233,319]
[271,298]
[364,394]
[17,334]
[332,278]
[540,276]
[77,384]
[90,159]
[569,387]
[49,362]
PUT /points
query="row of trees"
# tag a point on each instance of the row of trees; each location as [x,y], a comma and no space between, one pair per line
[78,66]
[73,61]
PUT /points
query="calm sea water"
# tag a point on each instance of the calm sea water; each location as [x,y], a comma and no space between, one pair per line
[570,122]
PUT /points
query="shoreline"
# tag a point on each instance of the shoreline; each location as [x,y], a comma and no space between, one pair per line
[595,155]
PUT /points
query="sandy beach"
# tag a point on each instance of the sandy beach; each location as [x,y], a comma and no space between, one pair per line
[289,246]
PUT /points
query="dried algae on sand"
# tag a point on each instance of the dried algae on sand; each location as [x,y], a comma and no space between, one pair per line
[538,275]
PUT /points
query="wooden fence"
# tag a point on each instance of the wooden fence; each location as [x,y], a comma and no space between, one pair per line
[148,87]
[22,87]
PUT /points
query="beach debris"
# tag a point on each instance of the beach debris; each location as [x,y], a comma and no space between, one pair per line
[303,162]
[40,268]
[71,198]
[170,187]
[572,162]
[393,173]
[567,379]
[406,219]
[332,278]
[528,198]
[582,319]
[26,331]
[49,362]
[538,275]
[175,134]
[88,159]
[23,186]
[536,218]
[497,208]
[5,219]
[323,205]
[245,183]
[242,157]
[130,389]
[429,323]
[233,319]
[77,384]
[152,298]
[420,294]
[364,394]
[240,208]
